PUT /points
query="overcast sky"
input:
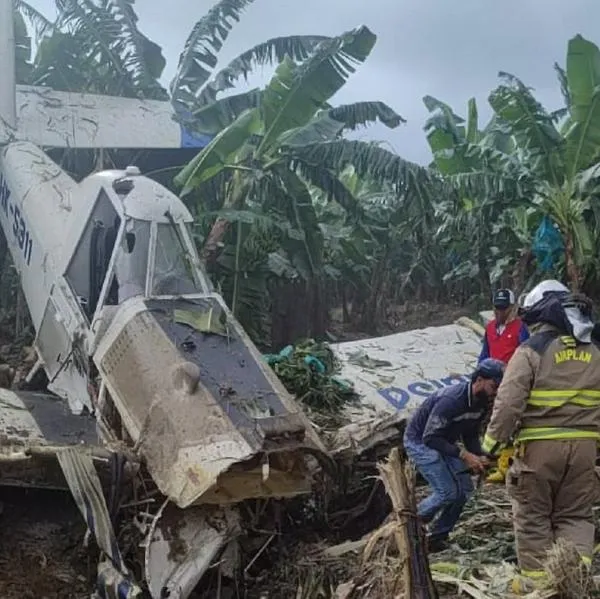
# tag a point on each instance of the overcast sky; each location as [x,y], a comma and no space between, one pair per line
[450,49]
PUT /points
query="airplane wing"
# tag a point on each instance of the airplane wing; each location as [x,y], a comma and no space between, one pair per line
[52,119]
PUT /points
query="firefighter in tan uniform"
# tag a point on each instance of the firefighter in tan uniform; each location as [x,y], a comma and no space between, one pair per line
[549,401]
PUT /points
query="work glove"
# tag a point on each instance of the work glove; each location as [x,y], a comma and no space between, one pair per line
[504,460]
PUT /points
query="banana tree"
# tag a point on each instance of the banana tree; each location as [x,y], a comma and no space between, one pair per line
[562,150]
[97,46]
[356,250]
[196,86]
[24,15]
[470,211]
[557,153]
[271,156]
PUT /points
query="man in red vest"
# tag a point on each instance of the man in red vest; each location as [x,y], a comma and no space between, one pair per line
[502,337]
[506,332]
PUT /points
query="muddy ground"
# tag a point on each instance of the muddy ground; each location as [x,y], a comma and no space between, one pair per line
[41,552]
[42,556]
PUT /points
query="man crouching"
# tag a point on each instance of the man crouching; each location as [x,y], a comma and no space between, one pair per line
[447,416]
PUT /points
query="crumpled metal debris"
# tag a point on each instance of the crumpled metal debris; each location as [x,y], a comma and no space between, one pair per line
[361,358]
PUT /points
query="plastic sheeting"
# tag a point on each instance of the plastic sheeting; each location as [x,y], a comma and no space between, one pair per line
[547,245]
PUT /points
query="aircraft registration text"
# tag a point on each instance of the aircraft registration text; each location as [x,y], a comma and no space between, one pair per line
[19,227]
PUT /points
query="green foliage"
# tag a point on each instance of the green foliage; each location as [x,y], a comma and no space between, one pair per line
[199,56]
[274,158]
[195,87]
[95,46]
[308,370]
[281,195]
[547,169]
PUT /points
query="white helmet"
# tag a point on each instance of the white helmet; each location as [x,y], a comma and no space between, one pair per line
[538,292]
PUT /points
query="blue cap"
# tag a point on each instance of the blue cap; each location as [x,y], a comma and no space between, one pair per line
[503,298]
[490,368]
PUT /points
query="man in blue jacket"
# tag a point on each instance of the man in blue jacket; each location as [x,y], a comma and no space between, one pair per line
[450,415]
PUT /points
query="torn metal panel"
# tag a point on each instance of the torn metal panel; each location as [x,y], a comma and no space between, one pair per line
[111,584]
[360,437]
[56,119]
[181,546]
[229,372]
[33,427]
[37,419]
[405,368]
[86,488]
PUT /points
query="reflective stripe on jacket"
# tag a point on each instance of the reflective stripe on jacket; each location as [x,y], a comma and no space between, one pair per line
[550,390]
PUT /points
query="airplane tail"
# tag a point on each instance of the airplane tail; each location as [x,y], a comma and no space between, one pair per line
[52,119]
[8,101]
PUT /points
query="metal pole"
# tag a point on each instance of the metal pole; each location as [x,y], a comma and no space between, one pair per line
[8,84]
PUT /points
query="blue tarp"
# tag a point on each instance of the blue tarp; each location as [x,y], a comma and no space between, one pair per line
[547,244]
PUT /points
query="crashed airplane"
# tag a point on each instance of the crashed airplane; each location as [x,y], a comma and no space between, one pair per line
[395,373]
[154,385]
[153,379]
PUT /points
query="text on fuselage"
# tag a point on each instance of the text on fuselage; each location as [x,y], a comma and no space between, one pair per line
[15,222]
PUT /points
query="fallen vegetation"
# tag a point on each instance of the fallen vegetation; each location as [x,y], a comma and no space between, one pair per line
[309,370]
[305,562]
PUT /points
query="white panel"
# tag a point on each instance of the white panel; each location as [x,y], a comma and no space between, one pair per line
[486,316]
[421,361]
[35,214]
[16,418]
[73,120]
[8,111]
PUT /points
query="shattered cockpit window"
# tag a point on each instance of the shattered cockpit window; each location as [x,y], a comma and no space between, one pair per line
[172,268]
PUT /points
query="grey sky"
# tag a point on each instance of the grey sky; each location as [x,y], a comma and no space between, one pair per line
[450,49]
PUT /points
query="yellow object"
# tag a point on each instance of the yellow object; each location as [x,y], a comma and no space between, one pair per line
[547,398]
[490,445]
[529,581]
[499,473]
[523,585]
[446,568]
[209,321]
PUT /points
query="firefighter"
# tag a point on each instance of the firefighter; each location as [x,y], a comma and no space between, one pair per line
[549,401]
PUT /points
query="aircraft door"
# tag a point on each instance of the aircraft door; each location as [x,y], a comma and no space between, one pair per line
[60,344]
[71,306]
[89,265]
